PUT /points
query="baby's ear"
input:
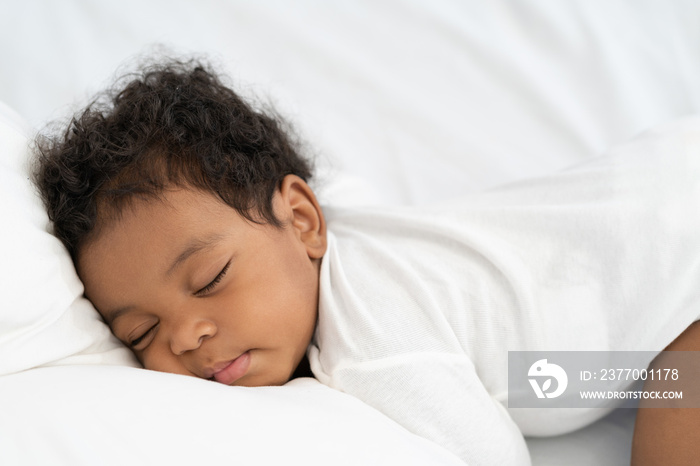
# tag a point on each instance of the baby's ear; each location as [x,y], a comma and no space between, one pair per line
[304,214]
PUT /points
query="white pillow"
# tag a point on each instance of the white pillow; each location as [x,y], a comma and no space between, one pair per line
[109,415]
[44,320]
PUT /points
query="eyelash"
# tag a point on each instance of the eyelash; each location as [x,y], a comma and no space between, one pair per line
[214,282]
[138,340]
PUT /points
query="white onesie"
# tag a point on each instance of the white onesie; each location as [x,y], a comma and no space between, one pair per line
[418,307]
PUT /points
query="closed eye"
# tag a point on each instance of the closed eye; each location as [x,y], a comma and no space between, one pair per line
[138,340]
[208,289]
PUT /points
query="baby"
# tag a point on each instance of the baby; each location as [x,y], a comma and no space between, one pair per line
[191,224]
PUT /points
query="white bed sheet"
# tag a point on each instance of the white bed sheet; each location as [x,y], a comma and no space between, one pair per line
[403,101]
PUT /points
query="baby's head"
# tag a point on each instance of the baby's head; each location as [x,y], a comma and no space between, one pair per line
[188,217]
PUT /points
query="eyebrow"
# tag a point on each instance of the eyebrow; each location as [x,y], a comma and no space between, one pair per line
[111,316]
[195,246]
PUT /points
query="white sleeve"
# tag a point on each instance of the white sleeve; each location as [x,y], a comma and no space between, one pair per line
[439,397]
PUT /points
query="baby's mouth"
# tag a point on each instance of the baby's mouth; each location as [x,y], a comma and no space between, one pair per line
[229,371]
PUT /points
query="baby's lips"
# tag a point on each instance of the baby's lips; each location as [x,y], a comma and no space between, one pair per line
[233,370]
[208,372]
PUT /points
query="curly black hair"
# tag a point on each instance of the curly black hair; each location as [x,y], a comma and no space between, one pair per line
[170,124]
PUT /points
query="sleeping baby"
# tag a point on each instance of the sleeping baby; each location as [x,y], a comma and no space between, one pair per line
[189,217]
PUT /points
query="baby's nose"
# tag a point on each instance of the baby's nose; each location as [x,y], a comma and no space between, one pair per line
[189,336]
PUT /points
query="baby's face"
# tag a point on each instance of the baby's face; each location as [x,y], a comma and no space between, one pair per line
[193,288]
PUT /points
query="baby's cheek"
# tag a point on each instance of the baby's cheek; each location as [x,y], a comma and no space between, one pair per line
[156,358]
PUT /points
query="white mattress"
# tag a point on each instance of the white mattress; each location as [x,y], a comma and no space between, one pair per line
[402,102]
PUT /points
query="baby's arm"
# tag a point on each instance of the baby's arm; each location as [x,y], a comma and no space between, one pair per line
[669,436]
[439,396]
